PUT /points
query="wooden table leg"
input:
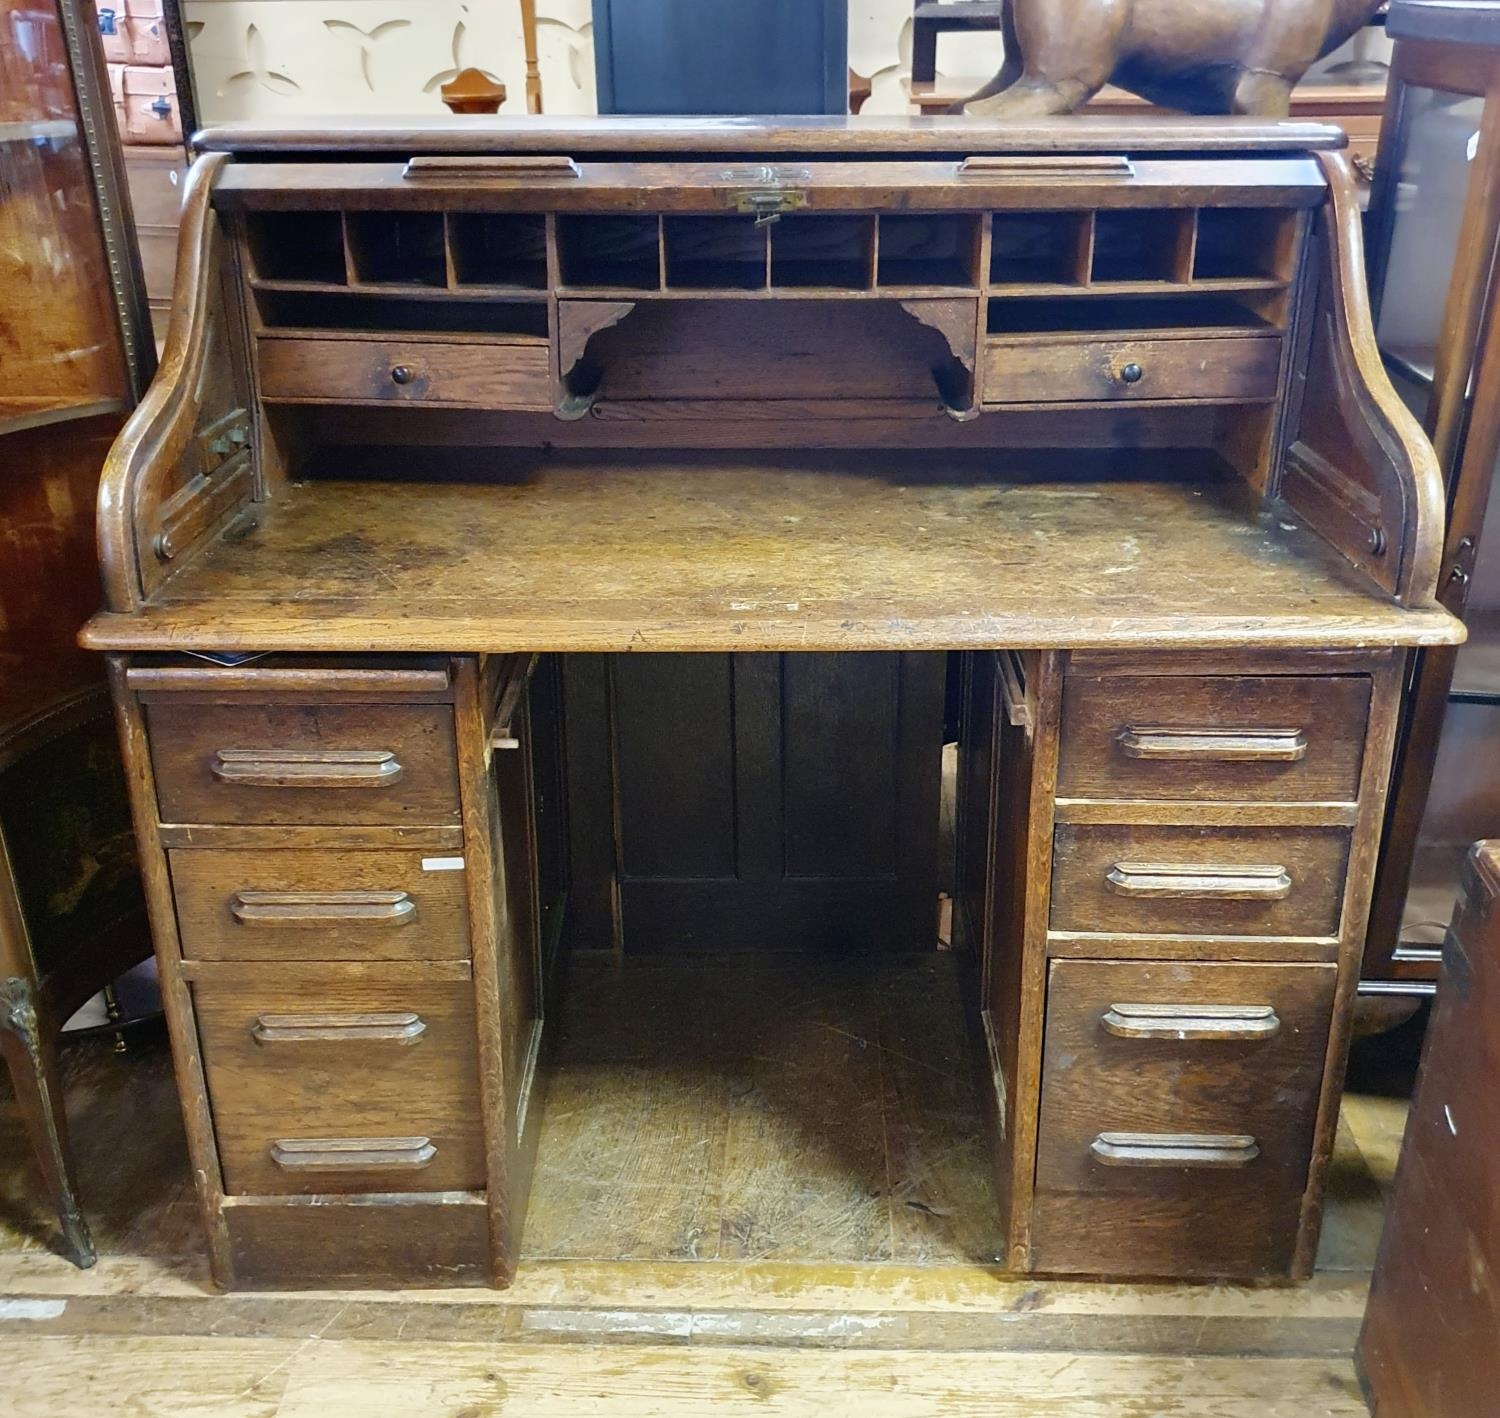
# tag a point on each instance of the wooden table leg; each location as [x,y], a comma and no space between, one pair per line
[30,1056]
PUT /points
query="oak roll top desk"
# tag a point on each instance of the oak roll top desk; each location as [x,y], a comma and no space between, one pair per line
[1094,406]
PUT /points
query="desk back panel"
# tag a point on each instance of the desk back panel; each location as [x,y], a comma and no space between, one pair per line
[765,802]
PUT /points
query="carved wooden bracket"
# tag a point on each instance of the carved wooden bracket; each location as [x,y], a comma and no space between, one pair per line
[955,321]
[578,321]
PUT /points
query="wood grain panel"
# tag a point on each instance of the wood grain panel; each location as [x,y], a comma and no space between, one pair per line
[392,1240]
[1285,738]
[1103,880]
[1093,1217]
[341,1086]
[213,889]
[783,350]
[1433,1291]
[470,375]
[420,784]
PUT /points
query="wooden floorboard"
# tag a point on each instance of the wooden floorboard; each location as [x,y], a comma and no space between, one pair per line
[315,1377]
[807,1228]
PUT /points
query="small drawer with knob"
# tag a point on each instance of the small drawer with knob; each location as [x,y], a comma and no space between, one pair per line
[476,373]
[330,904]
[1178,1112]
[331,1079]
[1062,369]
[1144,879]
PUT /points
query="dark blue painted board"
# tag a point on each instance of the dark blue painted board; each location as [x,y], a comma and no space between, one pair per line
[744,57]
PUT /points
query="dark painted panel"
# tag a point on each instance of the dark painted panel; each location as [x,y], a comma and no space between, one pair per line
[722,56]
[674,743]
[840,717]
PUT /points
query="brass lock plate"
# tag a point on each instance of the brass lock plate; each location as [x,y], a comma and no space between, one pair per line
[766,193]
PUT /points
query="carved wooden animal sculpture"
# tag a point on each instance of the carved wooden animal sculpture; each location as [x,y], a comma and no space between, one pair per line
[1205,56]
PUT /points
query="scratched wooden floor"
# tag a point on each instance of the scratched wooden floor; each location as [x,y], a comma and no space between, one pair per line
[760,1189]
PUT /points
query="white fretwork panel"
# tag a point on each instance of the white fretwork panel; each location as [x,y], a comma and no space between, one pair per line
[880,49]
[275,58]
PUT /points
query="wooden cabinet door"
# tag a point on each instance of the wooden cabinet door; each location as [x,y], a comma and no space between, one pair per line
[756,801]
[1429,1346]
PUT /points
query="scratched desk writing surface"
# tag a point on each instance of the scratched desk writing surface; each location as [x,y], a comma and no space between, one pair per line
[769,552]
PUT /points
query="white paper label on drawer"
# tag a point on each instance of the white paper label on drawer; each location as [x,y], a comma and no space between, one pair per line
[442,863]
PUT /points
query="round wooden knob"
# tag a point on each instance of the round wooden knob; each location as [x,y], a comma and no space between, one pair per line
[401,374]
[1131,374]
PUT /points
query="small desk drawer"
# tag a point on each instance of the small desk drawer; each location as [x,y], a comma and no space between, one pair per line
[304,764]
[1060,370]
[343,1085]
[471,375]
[1179,1106]
[1262,881]
[1271,738]
[325,905]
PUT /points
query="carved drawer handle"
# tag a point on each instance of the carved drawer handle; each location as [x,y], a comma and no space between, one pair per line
[393,1027]
[1174,1149]
[320,908]
[1214,745]
[1179,881]
[306,768]
[1191,1021]
[1025,168]
[537,167]
[352,1154]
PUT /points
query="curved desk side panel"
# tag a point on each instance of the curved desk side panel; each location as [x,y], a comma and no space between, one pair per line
[1359,468]
[182,465]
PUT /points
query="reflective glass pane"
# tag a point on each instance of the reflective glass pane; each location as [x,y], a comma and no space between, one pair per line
[59,340]
[1442,132]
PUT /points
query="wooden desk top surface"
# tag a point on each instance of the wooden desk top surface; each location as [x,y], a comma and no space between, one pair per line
[725,551]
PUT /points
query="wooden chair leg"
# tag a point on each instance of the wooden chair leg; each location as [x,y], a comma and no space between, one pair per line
[30,1056]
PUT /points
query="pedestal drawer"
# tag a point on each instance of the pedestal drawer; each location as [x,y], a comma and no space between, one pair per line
[1230,738]
[304,764]
[1026,370]
[322,905]
[327,1083]
[1179,1104]
[465,375]
[1135,879]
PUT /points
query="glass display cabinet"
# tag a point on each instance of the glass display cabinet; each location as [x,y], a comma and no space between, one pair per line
[75,355]
[1433,224]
